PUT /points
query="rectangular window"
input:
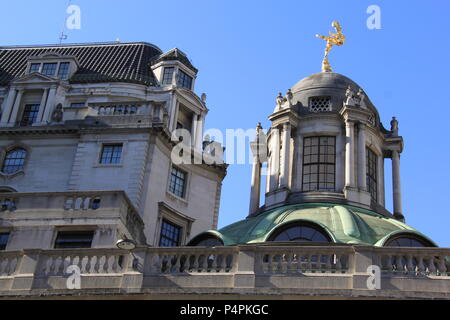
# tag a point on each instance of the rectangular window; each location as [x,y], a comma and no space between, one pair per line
[29,115]
[371,170]
[78,104]
[184,80]
[111,154]
[35,67]
[49,69]
[3,240]
[170,235]
[63,71]
[177,183]
[319,155]
[74,239]
[168,75]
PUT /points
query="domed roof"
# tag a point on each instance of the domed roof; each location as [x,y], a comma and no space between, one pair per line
[324,80]
[325,84]
[342,223]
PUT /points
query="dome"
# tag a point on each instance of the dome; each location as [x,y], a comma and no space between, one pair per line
[325,84]
[340,223]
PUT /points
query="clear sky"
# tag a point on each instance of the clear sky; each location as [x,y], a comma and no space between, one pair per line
[248,51]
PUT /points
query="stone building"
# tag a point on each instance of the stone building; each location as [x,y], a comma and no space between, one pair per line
[103,137]
[85,143]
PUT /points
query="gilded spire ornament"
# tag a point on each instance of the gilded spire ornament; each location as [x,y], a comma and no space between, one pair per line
[337,39]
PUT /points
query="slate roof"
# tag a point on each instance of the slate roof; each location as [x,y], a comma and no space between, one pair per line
[99,62]
[176,54]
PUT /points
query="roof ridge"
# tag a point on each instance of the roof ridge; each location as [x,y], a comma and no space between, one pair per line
[83,44]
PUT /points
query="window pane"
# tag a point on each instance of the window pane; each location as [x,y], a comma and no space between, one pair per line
[301,233]
[30,114]
[35,67]
[63,71]
[111,154]
[168,75]
[3,240]
[49,69]
[371,174]
[318,163]
[184,80]
[74,239]
[177,182]
[170,235]
[14,161]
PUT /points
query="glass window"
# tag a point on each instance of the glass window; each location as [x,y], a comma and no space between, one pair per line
[30,113]
[35,67]
[49,69]
[14,161]
[184,80]
[170,235]
[3,240]
[408,241]
[111,154]
[77,104]
[74,239]
[177,182]
[301,233]
[168,75]
[319,163]
[63,71]
[371,176]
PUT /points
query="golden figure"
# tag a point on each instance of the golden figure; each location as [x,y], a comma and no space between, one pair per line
[337,39]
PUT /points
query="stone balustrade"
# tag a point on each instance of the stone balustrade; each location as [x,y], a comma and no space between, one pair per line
[259,270]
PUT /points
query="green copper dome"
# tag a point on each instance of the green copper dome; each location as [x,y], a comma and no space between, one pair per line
[341,223]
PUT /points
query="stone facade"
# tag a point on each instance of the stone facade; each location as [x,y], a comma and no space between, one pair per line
[87,97]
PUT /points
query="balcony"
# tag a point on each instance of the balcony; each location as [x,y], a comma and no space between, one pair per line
[253,270]
[45,212]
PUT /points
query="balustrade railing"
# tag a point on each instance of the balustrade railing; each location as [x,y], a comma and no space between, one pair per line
[193,260]
[414,261]
[102,261]
[304,259]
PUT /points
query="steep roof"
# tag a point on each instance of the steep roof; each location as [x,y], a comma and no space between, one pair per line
[176,54]
[99,62]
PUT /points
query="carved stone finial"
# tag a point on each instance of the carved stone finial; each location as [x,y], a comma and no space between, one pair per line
[361,98]
[203,97]
[350,97]
[394,127]
[289,97]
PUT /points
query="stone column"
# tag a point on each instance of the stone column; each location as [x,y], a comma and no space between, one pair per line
[48,105]
[42,105]
[15,109]
[362,182]
[396,190]
[7,106]
[200,128]
[194,128]
[298,159]
[349,155]
[256,185]
[275,159]
[285,156]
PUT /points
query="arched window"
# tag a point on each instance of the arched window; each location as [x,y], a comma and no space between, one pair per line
[14,161]
[300,232]
[408,241]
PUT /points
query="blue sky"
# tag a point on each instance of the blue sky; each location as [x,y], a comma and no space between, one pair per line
[248,51]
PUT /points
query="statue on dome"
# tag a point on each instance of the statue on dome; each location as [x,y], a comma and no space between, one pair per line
[350,98]
[394,127]
[280,101]
[337,39]
[361,96]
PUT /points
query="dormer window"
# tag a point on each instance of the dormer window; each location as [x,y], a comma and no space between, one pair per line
[63,71]
[35,67]
[168,75]
[184,80]
[49,69]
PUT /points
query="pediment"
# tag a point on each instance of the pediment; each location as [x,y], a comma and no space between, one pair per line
[34,77]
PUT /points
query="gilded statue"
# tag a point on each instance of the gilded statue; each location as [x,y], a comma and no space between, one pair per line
[337,39]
